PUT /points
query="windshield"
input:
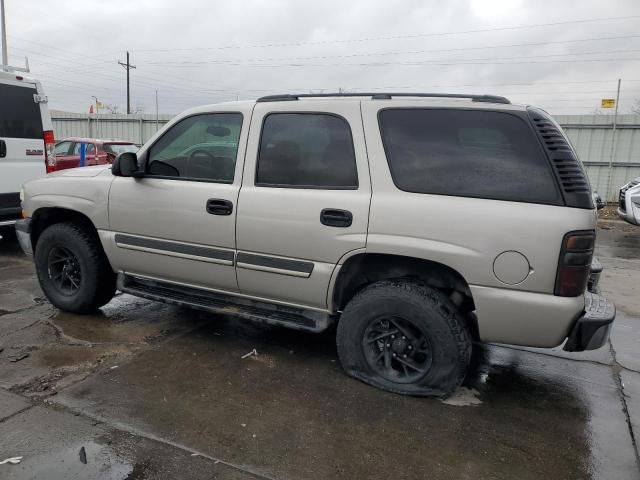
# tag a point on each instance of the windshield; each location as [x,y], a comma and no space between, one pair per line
[119,148]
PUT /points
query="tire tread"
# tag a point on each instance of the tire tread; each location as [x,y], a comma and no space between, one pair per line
[438,300]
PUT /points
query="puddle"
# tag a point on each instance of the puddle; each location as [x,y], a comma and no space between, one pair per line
[99,328]
[66,463]
[78,357]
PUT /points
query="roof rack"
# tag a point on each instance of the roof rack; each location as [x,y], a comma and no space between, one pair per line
[9,68]
[383,96]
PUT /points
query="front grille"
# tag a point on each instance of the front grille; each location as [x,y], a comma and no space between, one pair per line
[621,201]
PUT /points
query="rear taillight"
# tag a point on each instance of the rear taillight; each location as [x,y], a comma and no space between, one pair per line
[574,265]
[49,151]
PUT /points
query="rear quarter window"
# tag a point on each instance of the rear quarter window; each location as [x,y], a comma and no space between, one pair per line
[467,153]
[19,113]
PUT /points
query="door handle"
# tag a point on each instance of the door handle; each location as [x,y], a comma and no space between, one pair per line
[3,149]
[217,206]
[333,217]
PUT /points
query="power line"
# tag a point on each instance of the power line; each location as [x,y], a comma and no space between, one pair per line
[406,52]
[66,52]
[396,37]
[422,63]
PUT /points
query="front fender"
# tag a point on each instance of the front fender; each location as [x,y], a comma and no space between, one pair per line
[86,195]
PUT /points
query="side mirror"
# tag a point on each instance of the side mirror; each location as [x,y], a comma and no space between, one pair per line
[126,165]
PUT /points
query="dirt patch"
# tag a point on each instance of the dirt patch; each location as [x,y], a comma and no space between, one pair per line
[610,212]
[618,226]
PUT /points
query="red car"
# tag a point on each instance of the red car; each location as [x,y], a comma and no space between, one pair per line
[97,152]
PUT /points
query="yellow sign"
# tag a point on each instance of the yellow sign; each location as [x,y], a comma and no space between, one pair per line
[608,103]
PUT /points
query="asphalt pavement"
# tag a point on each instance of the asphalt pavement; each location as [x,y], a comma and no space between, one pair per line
[147,390]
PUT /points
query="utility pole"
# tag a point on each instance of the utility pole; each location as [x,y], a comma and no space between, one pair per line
[128,67]
[157,124]
[613,145]
[5,56]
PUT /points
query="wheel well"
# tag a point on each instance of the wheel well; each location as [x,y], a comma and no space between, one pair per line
[364,269]
[45,217]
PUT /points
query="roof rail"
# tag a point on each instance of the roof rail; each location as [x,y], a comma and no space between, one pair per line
[384,96]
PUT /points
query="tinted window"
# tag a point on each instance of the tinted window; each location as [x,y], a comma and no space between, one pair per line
[468,153]
[62,148]
[19,113]
[199,147]
[306,150]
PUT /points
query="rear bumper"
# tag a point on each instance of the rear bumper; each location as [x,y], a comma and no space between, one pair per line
[23,234]
[591,330]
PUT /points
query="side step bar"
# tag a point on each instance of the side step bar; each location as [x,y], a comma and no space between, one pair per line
[262,312]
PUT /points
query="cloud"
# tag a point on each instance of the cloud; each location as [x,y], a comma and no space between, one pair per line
[196,52]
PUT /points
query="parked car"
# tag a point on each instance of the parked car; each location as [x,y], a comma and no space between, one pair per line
[629,202]
[26,139]
[97,151]
[418,223]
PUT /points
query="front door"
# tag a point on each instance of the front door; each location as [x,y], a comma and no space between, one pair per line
[304,202]
[177,223]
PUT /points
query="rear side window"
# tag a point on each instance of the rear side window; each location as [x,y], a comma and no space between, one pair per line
[467,153]
[306,150]
[19,113]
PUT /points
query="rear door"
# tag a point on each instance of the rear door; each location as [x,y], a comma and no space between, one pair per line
[22,156]
[304,201]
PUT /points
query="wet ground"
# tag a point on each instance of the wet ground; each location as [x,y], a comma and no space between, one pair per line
[147,390]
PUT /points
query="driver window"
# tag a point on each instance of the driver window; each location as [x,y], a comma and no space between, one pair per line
[202,147]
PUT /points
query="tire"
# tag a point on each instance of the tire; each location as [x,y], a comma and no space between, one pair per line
[89,268]
[432,347]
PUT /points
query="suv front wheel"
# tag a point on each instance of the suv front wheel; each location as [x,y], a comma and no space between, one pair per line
[73,270]
[404,337]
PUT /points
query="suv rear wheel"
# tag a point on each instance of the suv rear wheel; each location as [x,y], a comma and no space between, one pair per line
[404,337]
[73,270]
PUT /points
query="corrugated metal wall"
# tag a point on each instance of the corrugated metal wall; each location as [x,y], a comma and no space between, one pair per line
[134,128]
[591,135]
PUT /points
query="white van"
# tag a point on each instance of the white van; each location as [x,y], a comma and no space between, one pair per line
[26,139]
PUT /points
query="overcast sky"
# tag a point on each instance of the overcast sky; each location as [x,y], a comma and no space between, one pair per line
[196,51]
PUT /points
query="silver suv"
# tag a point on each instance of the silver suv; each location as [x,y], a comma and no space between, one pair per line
[418,223]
